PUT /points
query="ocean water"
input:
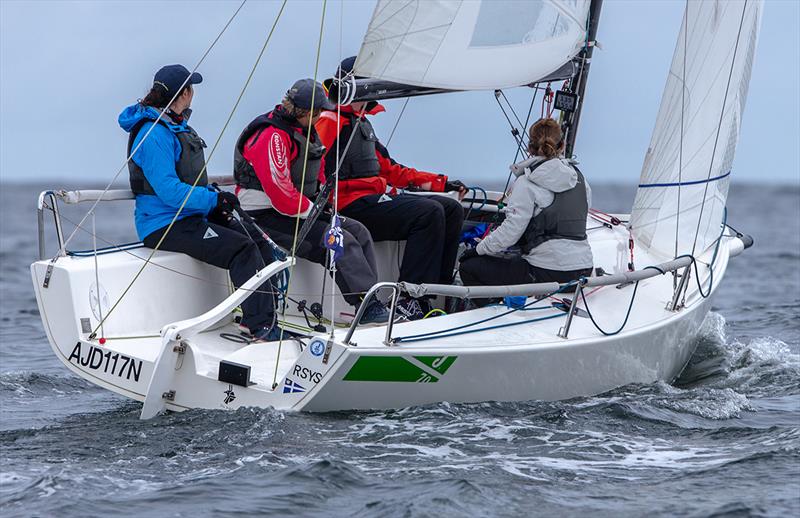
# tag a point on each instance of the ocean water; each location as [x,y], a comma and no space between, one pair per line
[723,440]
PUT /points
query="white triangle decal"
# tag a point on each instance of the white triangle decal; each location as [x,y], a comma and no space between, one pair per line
[210,234]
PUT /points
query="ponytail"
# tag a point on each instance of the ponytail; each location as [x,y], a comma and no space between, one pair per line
[545,138]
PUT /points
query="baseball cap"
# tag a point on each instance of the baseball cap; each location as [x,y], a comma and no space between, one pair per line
[303,90]
[171,77]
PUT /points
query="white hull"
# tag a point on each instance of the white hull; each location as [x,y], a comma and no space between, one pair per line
[517,363]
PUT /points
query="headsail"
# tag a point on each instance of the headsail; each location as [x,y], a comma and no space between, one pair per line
[686,172]
[471,45]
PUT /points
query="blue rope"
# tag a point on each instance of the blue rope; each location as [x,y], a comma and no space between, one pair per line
[422,336]
[410,339]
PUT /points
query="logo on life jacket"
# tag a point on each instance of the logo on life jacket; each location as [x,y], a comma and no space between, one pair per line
[210,234]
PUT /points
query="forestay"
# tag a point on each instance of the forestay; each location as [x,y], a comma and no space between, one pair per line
[471,45]
[686,172]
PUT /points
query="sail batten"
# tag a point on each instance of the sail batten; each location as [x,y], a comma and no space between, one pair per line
[686,172]
[471,45]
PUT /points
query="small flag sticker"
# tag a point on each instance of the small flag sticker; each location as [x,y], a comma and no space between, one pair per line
[334,240]
[290,386]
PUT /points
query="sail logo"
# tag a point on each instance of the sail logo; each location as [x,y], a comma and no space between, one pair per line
[290,387]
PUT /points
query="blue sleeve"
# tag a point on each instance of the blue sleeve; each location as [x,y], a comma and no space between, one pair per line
[157,157]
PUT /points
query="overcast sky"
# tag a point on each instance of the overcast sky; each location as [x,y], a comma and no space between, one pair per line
[68,68]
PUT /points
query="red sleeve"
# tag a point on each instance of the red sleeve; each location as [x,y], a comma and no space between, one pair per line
[401,176]
[271,155]
[327,129]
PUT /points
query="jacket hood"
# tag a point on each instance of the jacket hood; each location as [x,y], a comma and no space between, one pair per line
[555,175]
[136,112]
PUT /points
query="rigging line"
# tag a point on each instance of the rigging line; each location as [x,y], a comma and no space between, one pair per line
[302,182]
[336,177]
[516,154]
[511,107]
[680,148]
[203,170]
[719,125]
[97,274]
[514,131]
[149,130]
[402,111]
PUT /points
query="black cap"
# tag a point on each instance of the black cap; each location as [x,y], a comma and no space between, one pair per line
[172,77]
[303,90]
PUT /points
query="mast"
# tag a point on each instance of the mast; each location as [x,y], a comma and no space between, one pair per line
[585,59]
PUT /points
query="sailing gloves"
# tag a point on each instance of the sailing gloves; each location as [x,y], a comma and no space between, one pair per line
[456,185]
[227,202]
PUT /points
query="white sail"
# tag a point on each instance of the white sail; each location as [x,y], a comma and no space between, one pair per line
[686,172]
[471,45]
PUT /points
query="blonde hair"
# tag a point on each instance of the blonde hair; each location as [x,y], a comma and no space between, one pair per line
[545,138]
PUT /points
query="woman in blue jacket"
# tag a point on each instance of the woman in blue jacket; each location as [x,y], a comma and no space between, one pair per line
[166,164]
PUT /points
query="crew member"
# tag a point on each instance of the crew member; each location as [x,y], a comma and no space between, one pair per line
[167,162]
[546,220]
[279,170]
[431,225]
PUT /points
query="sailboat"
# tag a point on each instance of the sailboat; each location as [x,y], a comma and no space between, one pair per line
[636,320]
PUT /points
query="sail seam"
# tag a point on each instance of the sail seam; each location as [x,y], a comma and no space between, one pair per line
[683,184]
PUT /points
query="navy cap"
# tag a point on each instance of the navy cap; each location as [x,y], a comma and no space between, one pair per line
[172,77]
[303,90]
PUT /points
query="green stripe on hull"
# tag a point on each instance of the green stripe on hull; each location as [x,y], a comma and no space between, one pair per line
[397,369]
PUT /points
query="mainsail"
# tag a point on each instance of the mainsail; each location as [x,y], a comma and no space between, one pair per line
[471,45]
[683,188]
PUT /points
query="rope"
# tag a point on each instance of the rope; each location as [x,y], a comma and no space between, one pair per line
[302,182]
[627,313]
[160,116]
[421,336]
[499,326]
[680,148]
[516,153]
[402,110]
[200,174]
[719,127]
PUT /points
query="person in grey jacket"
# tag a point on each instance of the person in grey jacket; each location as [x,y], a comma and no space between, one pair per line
[545,221]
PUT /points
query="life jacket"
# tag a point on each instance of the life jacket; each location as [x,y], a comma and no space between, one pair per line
[360,161]
[244,173]
[565,218]
[187,167]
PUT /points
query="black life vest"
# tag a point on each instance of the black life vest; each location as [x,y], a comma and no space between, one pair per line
[244,173]
[360,161]
[187,167]
[565,218]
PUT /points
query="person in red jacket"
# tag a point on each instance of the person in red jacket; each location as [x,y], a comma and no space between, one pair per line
[431,225]
[278,171]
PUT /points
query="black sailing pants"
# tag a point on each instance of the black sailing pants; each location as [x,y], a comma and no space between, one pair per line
[485,270]
[431,226]
[356,271]
[225,244]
